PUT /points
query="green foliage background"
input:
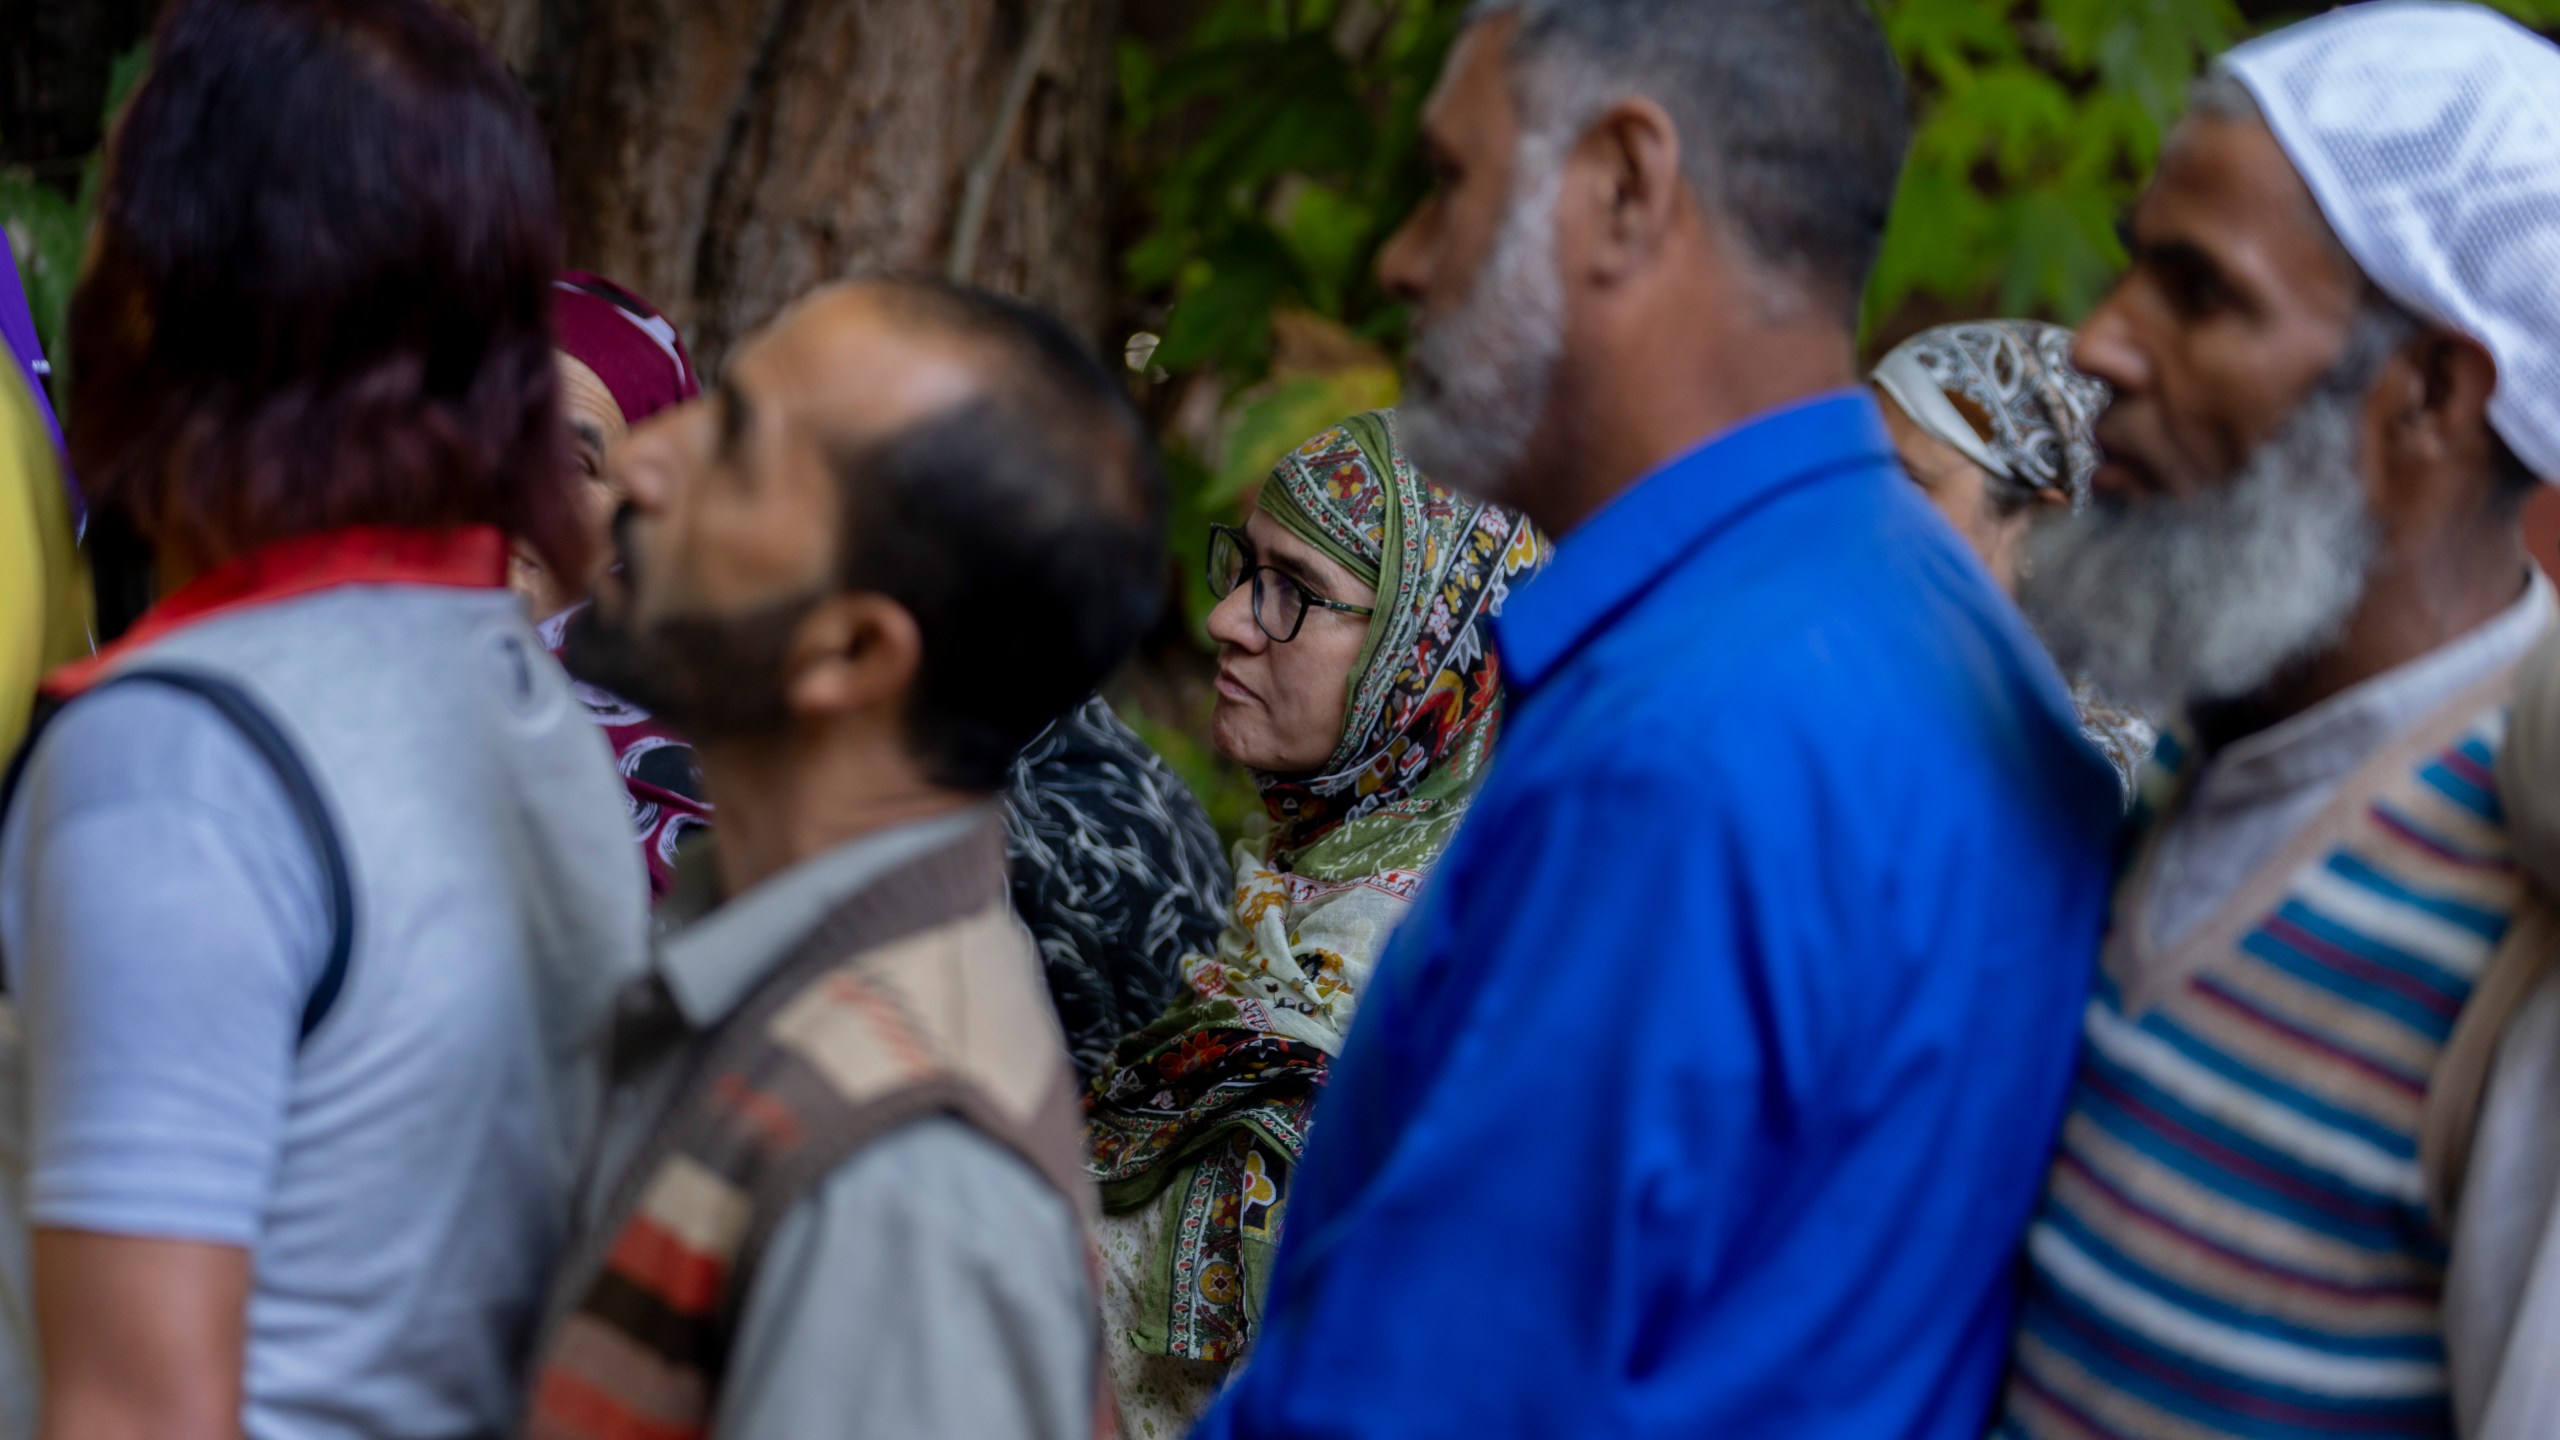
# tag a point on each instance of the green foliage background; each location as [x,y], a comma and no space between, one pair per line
[1275,148]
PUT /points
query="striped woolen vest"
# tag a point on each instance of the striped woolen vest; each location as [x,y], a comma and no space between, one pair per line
[918,996]
[2235,1239]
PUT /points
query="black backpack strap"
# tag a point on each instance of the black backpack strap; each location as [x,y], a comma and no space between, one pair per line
[300,792]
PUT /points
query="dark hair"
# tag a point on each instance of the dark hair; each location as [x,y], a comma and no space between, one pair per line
[321,287]
[1024,531]
[1792,115]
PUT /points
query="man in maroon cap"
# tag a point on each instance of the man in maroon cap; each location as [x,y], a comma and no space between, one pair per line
[620,362]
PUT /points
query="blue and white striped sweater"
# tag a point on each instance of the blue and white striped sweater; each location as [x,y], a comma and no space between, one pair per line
[2235,1239]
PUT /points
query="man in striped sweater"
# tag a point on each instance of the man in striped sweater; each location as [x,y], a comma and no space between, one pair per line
[2333,360]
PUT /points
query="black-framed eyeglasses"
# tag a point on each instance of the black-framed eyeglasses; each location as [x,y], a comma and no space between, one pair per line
[1280,602]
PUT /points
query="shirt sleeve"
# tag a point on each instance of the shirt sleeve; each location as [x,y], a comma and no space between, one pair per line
[2502,1281]
[1599,978]
[163,920]
[933,1287]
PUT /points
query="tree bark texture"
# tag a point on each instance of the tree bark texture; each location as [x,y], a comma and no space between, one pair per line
[721,157]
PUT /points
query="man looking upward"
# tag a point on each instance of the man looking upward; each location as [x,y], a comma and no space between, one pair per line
[1703,1093]
[843,1193]
[2334,363]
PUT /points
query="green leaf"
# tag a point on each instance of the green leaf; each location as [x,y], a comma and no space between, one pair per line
[1933,244]
[1222,317]
[1331,235]
[1276,422]
[2061,253]
[1944,39]
[2152,52]
[1154,261]
[2010,114]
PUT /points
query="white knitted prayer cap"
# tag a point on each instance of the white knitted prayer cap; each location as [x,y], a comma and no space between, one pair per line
[2430,135]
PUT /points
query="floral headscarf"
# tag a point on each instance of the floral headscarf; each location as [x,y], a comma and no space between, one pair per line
[2005,395]
[1205,1111]
[1426,688]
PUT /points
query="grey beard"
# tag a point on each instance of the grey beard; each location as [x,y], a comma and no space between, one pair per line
[2167,604]
[1478,380]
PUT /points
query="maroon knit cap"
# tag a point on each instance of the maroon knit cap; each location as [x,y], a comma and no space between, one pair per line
[632,348]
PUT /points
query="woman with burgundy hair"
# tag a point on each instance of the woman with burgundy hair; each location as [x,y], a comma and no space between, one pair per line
[316,878]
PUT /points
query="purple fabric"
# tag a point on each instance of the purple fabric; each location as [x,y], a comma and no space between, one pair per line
[18,323]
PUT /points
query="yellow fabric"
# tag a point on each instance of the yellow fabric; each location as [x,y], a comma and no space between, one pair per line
[44,583]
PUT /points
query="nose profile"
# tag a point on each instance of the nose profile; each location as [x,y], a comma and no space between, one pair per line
[1231,621]
[2105,347]
[1402,273]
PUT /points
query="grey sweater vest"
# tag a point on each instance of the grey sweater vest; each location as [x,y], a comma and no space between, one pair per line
[498,906]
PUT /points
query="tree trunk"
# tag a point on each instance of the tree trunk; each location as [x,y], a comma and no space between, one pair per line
[723,156]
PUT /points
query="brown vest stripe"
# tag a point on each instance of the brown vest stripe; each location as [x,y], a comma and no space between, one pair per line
[647,1319]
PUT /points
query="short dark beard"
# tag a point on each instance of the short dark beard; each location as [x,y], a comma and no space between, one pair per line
[710,676]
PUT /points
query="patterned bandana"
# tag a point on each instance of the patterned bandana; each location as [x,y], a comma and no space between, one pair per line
[1425,691]
[2003,393]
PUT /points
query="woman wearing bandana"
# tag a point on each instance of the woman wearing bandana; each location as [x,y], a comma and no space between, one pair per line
[1357,680]
[1992,420]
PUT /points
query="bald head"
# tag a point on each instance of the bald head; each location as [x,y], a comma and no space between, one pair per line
[898,350]
[862,369]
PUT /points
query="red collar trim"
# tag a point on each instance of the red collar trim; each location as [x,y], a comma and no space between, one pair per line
[472,556]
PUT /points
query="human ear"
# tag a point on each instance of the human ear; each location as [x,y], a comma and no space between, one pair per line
[854,653]
[2438,387]
[1626,170]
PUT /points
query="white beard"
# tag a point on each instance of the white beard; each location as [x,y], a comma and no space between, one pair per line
[2167,604]
[1478,380]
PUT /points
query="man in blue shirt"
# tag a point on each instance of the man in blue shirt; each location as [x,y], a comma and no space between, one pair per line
[1709,1089]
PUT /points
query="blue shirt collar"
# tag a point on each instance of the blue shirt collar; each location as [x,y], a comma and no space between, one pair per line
[1607,563]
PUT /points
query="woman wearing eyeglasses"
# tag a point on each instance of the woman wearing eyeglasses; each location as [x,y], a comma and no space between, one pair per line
[1357,680]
